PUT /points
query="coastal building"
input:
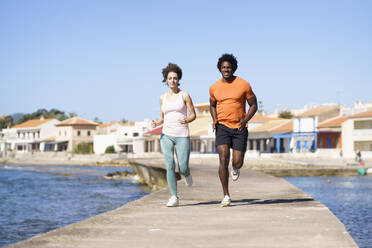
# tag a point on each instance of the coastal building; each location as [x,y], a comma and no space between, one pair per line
[30,136]
[111,127]
[71,132]
[357,135]
[125,137]
[329,133]
[305,126]
[271,137]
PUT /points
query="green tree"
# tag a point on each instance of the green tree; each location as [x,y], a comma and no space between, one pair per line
[53,113]
[72,114]
[96,119]
[286,115]
[5,122]
[124,120]
[110,149]
[83,148]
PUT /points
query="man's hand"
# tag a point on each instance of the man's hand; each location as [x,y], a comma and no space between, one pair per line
[214,125]
[243,123]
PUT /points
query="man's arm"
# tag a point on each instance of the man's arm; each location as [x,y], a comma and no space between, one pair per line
[213,111]
[251,111]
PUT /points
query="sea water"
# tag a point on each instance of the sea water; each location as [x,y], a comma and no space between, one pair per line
[36,199]
[349,198]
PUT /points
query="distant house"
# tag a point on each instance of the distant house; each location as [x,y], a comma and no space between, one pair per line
[111,127]
[30,135]
[125,137]
[305,126]
[271,137]
[357,135]
[329,133]
[73,131]
[152,140]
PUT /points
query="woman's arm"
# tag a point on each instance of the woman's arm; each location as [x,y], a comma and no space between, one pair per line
[190,108]
[160,120]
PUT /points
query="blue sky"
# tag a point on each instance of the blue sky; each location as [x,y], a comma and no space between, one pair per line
[104,58]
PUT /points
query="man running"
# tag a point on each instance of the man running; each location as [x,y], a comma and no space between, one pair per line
[228,98]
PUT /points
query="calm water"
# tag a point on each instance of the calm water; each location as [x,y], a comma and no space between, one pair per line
[349,198]
[36,199]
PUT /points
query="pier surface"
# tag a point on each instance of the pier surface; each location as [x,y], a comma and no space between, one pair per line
[265,212]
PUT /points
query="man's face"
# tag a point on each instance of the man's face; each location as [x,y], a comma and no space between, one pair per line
[226,70]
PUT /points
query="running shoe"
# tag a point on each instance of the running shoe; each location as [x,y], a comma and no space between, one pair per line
[173,201]
[226,201]
[235,174]
[188,180]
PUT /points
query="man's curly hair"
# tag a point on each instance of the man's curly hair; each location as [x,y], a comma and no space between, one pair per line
[171,68]
[229,58]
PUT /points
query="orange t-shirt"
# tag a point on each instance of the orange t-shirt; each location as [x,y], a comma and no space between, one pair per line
[231,100]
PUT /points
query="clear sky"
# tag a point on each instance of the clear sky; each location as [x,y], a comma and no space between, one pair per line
[104,58]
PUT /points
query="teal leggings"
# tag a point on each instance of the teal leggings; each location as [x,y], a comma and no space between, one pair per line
[182,145]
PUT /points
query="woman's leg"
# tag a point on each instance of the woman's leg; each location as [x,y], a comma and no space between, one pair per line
[183,154]
[167,146]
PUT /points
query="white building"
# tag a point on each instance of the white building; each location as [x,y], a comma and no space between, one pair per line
[30,135]
[357,135]
[125,137]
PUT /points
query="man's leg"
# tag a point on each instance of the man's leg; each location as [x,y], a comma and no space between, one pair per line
[238,159]
[223,171]
[239,146]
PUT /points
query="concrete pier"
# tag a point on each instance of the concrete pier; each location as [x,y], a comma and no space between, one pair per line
[266,212]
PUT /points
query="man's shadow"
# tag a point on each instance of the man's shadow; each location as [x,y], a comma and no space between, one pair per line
[242,202]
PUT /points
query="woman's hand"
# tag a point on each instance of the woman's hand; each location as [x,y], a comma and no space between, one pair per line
[153,124]
[183,121]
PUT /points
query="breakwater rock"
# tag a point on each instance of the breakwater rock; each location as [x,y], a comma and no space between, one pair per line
[154,177]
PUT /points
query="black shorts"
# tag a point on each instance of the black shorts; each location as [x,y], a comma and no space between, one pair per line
[235,138]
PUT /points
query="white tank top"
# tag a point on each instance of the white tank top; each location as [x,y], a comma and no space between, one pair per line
[173,112]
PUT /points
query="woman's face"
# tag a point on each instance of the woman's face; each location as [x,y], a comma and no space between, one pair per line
[172,80]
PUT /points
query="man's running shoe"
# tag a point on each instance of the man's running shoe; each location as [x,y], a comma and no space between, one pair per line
[235,174]
[226,201]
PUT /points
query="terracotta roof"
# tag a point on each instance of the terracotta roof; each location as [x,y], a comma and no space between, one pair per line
[318,110]
[155,131]
[261,118]
[129,123]
[104,125]
[77,121]
[269,126]
[335,122]
[286,127]
[361,115]
[32,123]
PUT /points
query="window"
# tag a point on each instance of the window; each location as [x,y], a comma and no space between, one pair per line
[135,134]
[125,134]
[363,124]
[78,133]
[65,133]
[363,145]
[88,133]
[59,133]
